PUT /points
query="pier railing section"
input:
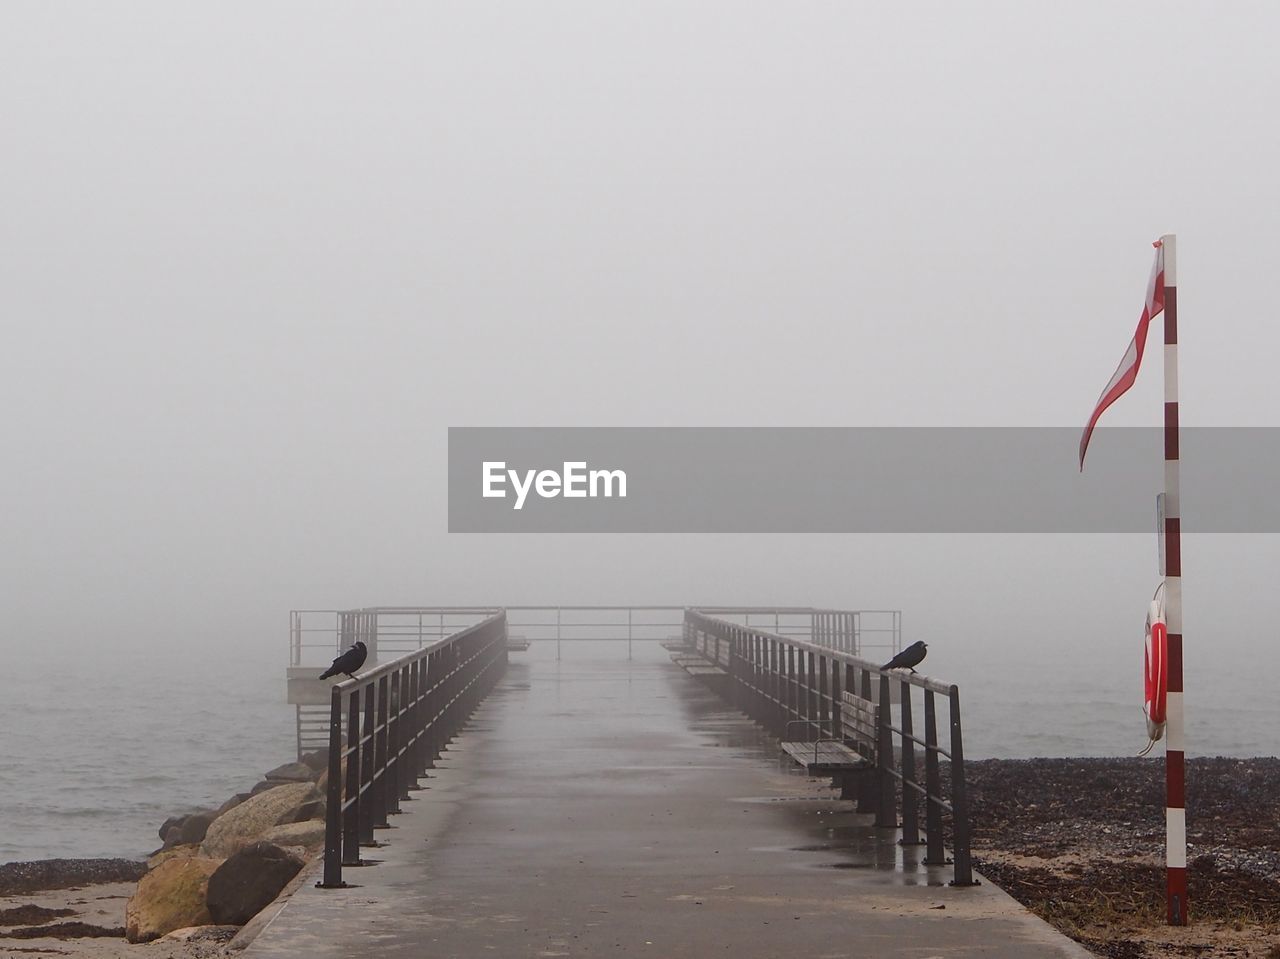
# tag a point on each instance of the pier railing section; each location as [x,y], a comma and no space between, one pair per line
[388,725]
[795,688]
[861,632]
[317,635]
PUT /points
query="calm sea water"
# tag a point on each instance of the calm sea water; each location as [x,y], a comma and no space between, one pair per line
[99,750]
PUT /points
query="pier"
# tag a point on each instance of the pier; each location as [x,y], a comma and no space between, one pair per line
[653,796]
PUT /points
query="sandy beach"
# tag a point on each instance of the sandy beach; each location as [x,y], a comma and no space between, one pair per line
[76,908]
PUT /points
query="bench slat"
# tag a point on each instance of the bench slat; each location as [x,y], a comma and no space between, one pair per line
[825,756]
[704,669]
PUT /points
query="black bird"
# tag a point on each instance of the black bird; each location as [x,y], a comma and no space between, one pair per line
[909,658]
[350,661]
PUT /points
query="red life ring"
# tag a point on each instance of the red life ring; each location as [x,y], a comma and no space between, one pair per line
[1156,672]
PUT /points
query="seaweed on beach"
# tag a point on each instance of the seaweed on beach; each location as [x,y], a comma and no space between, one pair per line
[20,878]
[64,930]
[1128,893]
[30,915]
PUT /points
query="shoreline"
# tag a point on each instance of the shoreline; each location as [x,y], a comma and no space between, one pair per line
[1080,842]
[215,873]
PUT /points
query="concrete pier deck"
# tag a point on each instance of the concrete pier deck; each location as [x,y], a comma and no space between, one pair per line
[596,806]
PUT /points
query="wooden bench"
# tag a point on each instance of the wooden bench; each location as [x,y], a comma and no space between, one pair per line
[851,762]
[704,669]
[684,660]
[696,664]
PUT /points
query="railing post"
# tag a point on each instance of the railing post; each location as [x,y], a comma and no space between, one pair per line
[773,685]
[351,816]
[391,762]
[837,701]
[367,759]
[910,800]
[759,678]
[813,702]
[825,726]
[962,873]
[378,785]
[886,815]
[405,777]
[333,802]
[431,703]
[800,703]
[935,854]
[413,753]
[785,656]
[423,721]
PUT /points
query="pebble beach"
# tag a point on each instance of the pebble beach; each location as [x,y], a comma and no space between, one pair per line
[1081,842]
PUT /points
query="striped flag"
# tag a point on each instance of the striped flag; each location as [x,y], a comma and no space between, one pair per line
[1127,371]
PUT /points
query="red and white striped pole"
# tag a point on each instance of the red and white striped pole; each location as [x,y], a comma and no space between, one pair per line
[1175,739]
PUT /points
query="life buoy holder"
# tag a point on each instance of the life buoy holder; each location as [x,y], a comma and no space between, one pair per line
[1156,670]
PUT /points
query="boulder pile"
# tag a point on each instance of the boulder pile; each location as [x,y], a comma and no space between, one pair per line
[220,867]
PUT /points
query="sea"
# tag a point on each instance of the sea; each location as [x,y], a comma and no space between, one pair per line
[100,749]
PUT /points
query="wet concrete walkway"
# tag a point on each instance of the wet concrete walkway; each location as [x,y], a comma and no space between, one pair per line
[599,807]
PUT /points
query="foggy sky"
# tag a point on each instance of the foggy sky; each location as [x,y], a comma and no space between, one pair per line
[258,257]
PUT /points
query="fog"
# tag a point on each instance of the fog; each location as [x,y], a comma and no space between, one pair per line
[257,258]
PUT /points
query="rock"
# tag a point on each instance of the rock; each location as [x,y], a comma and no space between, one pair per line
[309,834]
[173,822]
[250,931]
[292,773]
[170,897]
[317,760]
[214,934]
[196,825]
[246,823]
[310,810]
[248,881]
[263,786]
[231,803]
[174,852]
[172,837]
[322,781]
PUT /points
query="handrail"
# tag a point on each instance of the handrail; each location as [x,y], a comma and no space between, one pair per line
[783,681]
[915,679]
[387,726]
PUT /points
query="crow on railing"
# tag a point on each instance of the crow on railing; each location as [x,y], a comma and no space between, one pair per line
[348,662]
[909,658]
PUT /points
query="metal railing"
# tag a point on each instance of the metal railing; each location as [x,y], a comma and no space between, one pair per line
[388,725]
[316,635]
[781,681]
